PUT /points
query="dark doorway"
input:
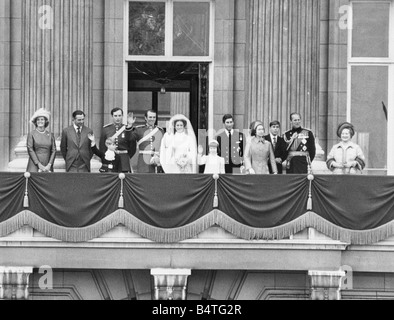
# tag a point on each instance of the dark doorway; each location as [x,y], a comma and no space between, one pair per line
[169,88]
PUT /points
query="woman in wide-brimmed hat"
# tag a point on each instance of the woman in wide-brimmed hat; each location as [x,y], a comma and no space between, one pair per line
[41,144]
[346,157]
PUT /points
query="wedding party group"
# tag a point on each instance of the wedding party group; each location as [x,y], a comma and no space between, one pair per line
[175,150]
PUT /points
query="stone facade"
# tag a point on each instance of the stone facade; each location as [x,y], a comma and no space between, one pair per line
[104,37]
[262,270]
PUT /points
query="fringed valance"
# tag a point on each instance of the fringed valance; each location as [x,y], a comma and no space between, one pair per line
[173,208]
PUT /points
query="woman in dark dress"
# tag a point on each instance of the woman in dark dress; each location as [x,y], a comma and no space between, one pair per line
[41,144]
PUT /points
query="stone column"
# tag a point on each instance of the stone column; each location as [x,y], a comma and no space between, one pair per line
[170,284]
[14,283]
[57,60]
[326,285]
[56,71]
[284,53]
[5,62]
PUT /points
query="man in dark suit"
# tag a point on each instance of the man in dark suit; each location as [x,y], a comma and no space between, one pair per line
[279,145]
[123,137]
[301,147]
[75,145]
[231,145]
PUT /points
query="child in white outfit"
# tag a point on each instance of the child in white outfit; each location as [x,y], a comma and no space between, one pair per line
[213,163]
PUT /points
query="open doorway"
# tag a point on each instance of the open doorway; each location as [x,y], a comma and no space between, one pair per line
[169,88]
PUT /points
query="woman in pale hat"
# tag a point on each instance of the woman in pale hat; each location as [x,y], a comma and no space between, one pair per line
[346,157]
[41,144]
[214,164]
[259,152]
[252,130]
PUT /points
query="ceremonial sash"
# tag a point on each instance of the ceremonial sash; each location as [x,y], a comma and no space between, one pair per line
[117,134]
[148,136]
[302,135]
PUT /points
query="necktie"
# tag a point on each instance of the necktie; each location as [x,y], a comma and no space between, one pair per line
[274,142]
[79,136]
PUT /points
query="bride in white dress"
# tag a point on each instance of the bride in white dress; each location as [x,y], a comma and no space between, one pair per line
[178,152]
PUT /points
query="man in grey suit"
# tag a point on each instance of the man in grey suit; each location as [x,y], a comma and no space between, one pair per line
[76,146]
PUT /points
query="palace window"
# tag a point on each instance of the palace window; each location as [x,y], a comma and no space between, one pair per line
[170,30]
[370,74]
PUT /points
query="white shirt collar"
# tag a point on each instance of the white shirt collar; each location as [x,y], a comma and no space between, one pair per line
[227,132]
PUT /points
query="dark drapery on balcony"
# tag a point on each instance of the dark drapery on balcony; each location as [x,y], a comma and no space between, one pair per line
[172,208]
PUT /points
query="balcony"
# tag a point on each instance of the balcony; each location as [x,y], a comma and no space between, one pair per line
[106,221]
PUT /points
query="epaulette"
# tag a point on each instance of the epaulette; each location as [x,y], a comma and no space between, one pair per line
[141,126]
[108,125]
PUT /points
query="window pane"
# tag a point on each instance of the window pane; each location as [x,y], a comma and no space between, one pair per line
[371,22]
[147,28]
[369,90]
[191,28]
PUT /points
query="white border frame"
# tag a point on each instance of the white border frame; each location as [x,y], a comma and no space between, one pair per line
[389,62]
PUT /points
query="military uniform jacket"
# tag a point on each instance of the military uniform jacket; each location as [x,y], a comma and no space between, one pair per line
[301,149]
[148,142]
[232,150]
[303,141]
[124,142]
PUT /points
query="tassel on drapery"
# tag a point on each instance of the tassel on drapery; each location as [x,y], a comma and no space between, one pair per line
[309,205]
[122,176]
[216,198]
[26,198]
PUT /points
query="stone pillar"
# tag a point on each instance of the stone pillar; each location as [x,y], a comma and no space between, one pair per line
[336,42]
[14,283]
[284,53]
[5,62]
[326,285]
[224,64]
[57,60]
[170,284]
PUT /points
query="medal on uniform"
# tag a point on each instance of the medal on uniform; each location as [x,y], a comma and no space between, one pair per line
[123,135]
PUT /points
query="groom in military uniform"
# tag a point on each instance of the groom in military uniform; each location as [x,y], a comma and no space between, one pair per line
[148,139]
[123,136]
[300,146]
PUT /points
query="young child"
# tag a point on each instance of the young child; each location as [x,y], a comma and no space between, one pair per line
[213,163]
[110,160]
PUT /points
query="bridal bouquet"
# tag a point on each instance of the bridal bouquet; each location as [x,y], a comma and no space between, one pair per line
[182,162]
